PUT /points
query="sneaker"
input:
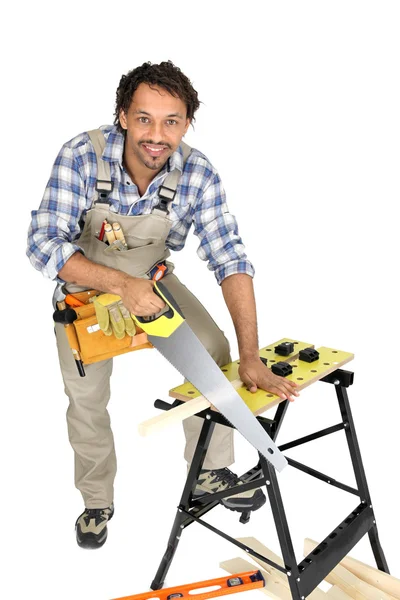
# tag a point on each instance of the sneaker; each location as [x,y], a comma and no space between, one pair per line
[91,527]
[222,479]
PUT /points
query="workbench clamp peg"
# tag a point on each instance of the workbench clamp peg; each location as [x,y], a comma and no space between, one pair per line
[282,368]
[284,349]
[309,355]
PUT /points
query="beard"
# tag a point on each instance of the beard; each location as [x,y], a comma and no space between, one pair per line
[153,162]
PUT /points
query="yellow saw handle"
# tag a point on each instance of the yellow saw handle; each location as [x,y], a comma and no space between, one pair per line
[164,323]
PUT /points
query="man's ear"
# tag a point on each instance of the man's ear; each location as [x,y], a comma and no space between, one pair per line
[122,119]
[188,121]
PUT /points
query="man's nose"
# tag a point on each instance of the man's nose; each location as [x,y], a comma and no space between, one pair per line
[156,131]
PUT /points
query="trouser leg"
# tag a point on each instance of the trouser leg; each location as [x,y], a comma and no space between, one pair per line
[89,425]
[220,452]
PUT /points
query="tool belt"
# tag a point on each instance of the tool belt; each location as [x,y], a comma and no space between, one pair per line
[88,343]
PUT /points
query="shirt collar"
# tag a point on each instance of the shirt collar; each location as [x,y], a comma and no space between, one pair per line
[114,149]
[176,160]
[114,152]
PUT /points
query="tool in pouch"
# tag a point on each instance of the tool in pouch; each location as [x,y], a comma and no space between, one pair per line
[172,336]
[240,582]
[116,240]
[113,235]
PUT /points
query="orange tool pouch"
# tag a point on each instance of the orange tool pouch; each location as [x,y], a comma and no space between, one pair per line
[88,343]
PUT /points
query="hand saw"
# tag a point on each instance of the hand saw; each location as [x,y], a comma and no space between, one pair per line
[172,336]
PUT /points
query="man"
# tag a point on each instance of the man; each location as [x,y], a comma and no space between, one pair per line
[155,105]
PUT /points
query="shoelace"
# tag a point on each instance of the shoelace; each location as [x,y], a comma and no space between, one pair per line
[226,476]
[98,514]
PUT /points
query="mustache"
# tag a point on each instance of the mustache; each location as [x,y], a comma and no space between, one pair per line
[156,143]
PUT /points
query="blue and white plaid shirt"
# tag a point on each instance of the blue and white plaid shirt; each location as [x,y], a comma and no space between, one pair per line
[200,199]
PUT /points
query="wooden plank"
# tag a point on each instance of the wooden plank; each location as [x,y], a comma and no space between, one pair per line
[350,583]
[173,416]
[378,579]
[256,545]
[178,414]
[274,588]
[383,581]
[336,593]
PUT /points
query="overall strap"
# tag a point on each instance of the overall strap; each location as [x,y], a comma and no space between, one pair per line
[104,185]
[167,190]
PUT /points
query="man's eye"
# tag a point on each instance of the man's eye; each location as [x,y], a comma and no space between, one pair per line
[171,122]
[143,119]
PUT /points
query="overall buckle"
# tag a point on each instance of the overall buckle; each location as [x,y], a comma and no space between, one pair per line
[104,189]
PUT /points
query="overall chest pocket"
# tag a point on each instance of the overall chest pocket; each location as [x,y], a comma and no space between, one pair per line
[136,261]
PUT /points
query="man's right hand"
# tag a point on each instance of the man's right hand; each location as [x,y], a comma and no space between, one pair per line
[137,294]
[139,298]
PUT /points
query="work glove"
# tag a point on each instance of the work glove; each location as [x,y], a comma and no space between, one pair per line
[113,317]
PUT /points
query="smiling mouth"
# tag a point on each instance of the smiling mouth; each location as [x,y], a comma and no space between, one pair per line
[154,150]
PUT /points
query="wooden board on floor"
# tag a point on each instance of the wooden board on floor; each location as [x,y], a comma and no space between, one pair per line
[336,593]
[351,584]
[374,577]
[256,545]
[274,587]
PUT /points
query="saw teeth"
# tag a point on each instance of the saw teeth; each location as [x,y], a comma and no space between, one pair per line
[184,376]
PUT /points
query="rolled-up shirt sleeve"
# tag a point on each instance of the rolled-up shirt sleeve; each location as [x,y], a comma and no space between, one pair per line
[55,225]
[217,229]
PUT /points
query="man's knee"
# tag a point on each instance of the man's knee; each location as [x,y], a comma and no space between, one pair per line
[216,344]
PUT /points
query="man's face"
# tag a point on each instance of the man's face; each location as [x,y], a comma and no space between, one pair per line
[155,124]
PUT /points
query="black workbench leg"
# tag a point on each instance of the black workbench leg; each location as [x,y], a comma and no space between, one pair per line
[278,418]
[282,527]
[377,549]
[172,545]
[359,472]
[178,526]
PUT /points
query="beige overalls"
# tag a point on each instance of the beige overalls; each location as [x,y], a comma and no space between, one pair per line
[88,420]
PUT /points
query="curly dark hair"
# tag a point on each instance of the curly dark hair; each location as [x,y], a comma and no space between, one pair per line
[165,75]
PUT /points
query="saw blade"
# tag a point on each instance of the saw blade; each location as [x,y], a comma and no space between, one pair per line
[188,355]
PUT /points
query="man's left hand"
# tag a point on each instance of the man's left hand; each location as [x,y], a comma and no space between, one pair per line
[255,374]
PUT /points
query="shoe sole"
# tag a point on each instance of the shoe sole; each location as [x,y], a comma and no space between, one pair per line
[236,506]
[90,541]
[244,507]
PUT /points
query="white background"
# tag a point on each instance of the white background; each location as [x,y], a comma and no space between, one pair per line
[300,115]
